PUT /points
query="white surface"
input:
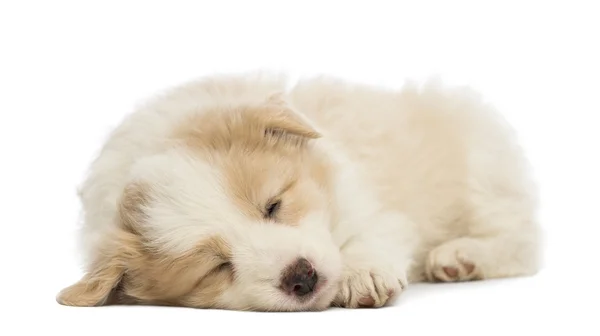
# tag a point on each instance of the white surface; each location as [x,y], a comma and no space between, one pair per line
[69,71]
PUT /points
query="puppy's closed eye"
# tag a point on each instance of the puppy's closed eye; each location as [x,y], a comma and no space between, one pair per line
[222,269]
[226,266]
[272,209]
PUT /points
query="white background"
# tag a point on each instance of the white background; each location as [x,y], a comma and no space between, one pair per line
[70,71]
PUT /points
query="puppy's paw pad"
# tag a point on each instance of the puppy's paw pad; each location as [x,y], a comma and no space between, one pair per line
[448,263]
[469,267]
[366,302]
[451,272]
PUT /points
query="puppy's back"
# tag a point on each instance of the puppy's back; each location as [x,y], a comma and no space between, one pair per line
[429,150]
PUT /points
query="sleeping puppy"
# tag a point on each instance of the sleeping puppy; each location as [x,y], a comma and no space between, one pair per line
[236,192]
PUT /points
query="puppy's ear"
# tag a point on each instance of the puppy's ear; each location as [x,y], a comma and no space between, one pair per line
[102,278]
[93,289]
[281,119]
[120,247]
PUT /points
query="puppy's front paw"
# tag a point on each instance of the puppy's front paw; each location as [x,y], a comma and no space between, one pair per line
[368,289]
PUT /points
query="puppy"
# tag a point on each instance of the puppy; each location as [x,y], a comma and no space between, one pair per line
[236,192]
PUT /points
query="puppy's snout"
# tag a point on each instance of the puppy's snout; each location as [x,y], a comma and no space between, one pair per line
[299,278]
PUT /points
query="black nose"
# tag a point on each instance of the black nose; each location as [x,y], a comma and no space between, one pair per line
[299,278]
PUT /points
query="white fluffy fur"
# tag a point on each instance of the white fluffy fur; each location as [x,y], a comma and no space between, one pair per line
[426,177]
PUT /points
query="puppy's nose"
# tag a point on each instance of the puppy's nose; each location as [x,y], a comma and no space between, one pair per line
[299,278]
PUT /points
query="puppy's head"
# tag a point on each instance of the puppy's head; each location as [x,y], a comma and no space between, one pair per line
[235,214]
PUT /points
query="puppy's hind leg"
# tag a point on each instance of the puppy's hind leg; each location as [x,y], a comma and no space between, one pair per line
[504,246]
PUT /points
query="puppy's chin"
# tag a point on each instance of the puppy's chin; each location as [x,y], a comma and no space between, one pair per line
[320,300]
[324,298]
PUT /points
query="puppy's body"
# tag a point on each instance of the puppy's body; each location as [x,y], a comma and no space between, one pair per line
[441,158]
[222,192]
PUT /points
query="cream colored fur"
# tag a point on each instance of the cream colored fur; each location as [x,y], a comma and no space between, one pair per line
[428,184]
